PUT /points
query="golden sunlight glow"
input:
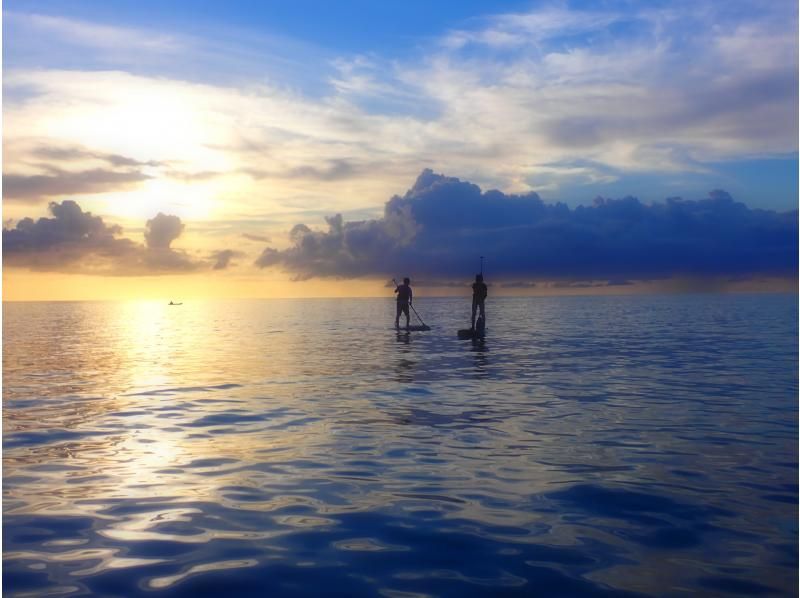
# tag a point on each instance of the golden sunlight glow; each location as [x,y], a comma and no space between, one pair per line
[136,117]
[21,285]
[191,202]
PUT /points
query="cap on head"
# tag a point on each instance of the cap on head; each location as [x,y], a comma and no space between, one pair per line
[406,280]
[479,278]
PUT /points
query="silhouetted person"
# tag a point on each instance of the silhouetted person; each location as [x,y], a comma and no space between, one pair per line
[479,293]
[404,299]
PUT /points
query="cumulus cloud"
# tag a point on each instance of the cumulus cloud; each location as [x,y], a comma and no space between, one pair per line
[162,230]
[442,224]
[64,239]
[76,241]
[347,249]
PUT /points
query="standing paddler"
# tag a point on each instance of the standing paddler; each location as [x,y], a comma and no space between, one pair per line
[405,298]
[479,293]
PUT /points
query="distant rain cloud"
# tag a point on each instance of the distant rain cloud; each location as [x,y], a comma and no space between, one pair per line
[442,224]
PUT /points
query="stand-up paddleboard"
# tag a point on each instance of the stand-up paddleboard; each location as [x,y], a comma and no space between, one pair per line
[417,328]
[478,332]
[468,333]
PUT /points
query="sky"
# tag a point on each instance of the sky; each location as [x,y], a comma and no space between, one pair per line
[273,149]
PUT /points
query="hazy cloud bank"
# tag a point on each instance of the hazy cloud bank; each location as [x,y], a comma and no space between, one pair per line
[440,227]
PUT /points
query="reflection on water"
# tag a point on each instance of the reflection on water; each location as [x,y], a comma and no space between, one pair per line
[587,446]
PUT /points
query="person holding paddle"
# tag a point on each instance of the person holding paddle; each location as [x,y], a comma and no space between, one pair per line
[479,293]
[404,299]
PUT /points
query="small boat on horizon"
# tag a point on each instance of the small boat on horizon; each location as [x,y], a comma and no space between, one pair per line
[171,303]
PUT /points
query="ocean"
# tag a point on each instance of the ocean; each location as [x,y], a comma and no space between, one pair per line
[588,446]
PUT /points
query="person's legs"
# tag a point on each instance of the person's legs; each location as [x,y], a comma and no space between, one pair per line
[474,309]
[408,317]
[483,310]
[397,316]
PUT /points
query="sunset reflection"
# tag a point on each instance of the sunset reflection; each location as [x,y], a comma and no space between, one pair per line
[259,425]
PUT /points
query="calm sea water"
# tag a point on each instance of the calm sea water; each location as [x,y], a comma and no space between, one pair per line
[589,446]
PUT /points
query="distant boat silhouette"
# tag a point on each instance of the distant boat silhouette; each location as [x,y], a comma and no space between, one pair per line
[171,303]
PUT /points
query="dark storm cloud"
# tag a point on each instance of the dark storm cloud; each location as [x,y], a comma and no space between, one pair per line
[76,241]
[441,225]
[62,182]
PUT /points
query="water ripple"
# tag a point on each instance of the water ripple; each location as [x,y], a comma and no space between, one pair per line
[588,446]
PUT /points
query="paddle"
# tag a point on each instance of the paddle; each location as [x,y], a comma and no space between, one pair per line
[416,314]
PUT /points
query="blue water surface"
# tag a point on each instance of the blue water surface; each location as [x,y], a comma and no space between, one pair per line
[588,446]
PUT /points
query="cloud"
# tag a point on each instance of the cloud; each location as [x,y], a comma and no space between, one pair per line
[92,35]
[159,233]
[521,29]
[74,153]
[203,175]
[162,230]
[519,284]
[77,241]
[334,170]
[66,169]
[587,284]
[222,259]
[61,182]
[258,238]
[63,240]
[337,169]
[346,249]
[430,283]
[627,88]
[73,170]
[442,224]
